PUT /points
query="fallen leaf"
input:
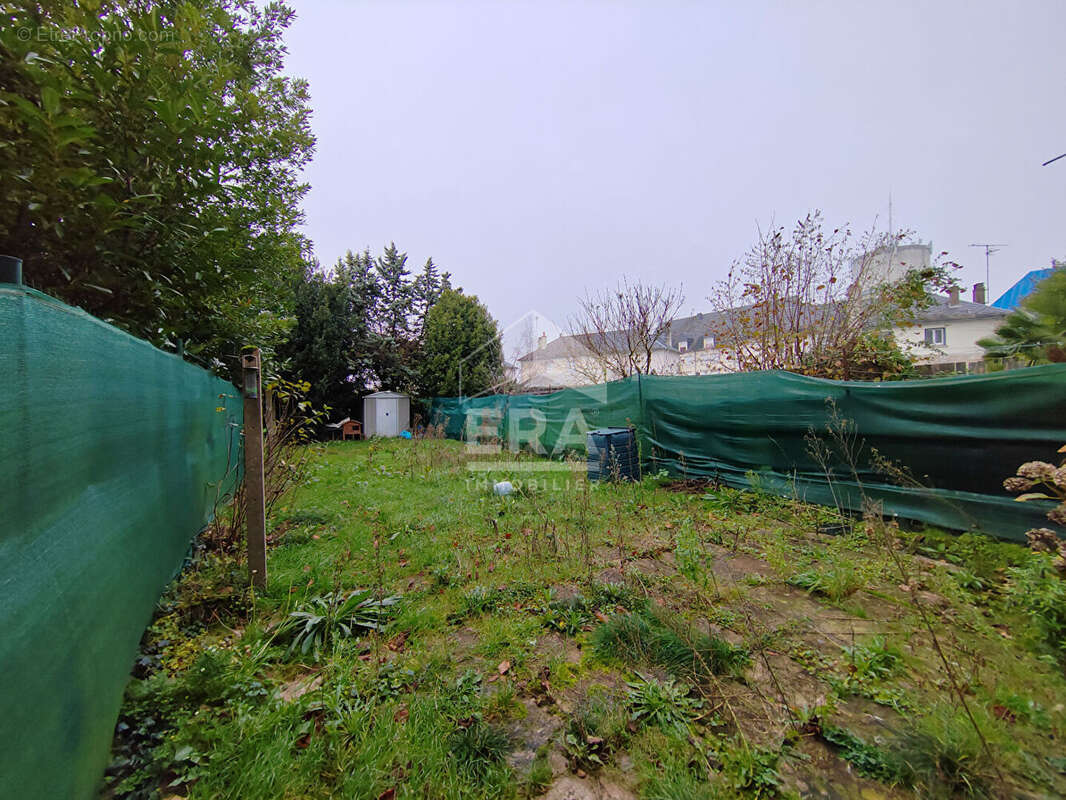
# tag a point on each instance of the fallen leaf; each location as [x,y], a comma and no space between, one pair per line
[388,794]
[1003,713]
[601,616]
[504,667]
[401,714]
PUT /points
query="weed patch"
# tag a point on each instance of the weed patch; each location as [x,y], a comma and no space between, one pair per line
[649,637]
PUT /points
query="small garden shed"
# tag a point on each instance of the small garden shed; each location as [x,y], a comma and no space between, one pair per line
[386,414]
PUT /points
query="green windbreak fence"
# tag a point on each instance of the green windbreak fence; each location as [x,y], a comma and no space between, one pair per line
[948,443]
[111,455]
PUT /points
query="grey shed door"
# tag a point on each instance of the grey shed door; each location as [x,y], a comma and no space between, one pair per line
[386,418]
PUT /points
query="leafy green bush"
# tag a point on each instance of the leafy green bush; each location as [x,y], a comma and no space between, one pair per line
[463,695]
[868,760]
[752,770]
[732,502]
[608,596]
[981,554]
[1037,589]
[874,659]
[688,550]
[664,704]
[327,618]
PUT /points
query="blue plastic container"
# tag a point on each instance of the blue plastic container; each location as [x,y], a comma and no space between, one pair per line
[612,455]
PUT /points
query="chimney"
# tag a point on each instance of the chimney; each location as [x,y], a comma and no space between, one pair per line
[979,293]
[542,341]
[953,296]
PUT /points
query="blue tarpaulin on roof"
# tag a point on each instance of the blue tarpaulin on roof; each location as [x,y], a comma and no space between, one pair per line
[1012,298]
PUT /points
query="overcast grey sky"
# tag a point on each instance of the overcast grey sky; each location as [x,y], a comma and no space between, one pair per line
[536,149]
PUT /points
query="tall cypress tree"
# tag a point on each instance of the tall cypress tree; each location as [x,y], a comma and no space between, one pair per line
[460,329]
[362,326]
[427,289]
[396,294]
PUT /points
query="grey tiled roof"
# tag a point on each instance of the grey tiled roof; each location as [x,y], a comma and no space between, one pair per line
[574,346]
[698,325]
[943,311]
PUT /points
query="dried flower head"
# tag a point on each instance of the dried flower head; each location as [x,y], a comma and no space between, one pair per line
[1058,514]
[1017,484]
[1060,477]
[1037,470]
[1042,540]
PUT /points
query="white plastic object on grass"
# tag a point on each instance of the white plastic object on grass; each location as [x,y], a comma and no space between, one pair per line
[503,488]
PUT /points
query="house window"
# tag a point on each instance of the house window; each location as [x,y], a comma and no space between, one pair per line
[682,346]
[938,337]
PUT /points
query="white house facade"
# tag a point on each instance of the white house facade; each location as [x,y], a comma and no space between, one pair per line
[944,335]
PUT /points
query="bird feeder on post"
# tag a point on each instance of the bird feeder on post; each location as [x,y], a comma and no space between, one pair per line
[254,489]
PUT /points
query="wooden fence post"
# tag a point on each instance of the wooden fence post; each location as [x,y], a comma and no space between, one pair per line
[254,490]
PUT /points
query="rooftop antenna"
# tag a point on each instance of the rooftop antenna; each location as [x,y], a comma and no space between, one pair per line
[989,250]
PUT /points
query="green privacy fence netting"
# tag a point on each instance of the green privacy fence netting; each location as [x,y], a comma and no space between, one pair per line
[111,455]
[957,438]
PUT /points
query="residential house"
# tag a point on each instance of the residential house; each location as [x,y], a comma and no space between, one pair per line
[947,332]
[568,361]
[943,336]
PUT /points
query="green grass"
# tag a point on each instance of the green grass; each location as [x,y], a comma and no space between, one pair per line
[519,622]
[652,637]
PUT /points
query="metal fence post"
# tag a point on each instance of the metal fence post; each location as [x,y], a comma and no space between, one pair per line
[254,490]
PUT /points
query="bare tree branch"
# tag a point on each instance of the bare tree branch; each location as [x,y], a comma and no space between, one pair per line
[619,329]
[814,302]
